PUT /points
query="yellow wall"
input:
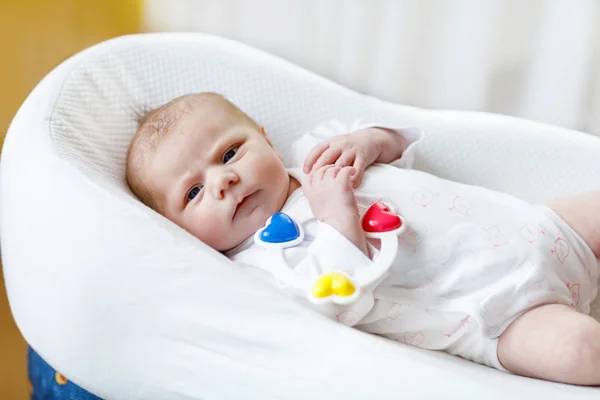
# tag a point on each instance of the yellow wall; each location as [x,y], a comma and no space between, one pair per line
[35,36]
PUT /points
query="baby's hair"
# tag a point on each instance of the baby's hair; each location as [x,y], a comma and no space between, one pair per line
[156,124]
[142,114]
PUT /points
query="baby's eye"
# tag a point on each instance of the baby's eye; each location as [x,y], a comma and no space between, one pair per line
[193,193]
[229,154]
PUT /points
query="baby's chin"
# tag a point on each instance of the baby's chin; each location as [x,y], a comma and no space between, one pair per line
[229,242]
[223,244]
[249,227]
[241,230]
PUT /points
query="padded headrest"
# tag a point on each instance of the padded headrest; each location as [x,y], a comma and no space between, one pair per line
[95,112]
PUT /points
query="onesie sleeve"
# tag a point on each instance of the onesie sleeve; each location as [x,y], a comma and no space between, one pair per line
[301,147]
[332,251]
[328,250]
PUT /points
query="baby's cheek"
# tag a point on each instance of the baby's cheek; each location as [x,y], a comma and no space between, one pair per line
[206,227]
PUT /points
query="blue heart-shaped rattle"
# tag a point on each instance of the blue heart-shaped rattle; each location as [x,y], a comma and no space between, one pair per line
[280,229]
[279,233]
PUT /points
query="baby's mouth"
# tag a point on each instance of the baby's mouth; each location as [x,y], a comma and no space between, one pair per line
[242,203]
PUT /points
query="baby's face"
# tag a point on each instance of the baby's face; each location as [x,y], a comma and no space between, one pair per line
[218,177]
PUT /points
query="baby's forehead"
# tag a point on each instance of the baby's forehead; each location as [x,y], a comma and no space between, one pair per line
[165,118]
[188,131]
[194,117]
[199,110]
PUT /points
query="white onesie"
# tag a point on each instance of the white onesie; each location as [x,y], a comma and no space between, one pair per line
[470,262]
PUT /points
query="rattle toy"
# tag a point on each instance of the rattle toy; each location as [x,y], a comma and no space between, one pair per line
[381,221]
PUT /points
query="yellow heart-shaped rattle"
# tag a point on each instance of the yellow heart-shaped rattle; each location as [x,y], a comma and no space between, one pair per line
[333,283]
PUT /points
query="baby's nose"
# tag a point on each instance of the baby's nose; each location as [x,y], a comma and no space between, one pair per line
[223,183]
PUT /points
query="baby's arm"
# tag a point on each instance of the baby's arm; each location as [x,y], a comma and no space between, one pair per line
[359,145]
[364,146]
[359,149]
[331,198]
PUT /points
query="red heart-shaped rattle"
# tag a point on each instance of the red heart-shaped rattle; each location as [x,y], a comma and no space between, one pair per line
[379,218]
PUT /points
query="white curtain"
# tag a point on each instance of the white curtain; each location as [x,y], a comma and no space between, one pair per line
[537,59]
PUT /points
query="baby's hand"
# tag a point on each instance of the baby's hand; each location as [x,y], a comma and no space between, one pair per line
[330,194]
[359,149]
[331,198]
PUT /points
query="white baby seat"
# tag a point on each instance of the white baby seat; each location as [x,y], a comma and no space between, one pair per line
[129,306]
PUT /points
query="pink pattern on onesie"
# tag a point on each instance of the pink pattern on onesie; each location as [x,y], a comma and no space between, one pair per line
[460,205]
[530,233]
[348,317]
[397,309]
[561,249]
[434,313]
[412,238]
[413,338]
[461,324]
[574,289]
[423,197]
[429,284]
[496,237]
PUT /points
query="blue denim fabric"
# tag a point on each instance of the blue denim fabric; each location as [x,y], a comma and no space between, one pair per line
[48,384]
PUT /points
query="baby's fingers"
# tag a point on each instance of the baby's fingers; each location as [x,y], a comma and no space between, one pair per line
[319,174]
[314,155]
[359,169]
[346,159]
[345,175]
[307,181]
[328,157]
[332,172]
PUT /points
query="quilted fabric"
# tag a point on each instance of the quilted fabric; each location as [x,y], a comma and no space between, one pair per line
[139,309]
[95,115]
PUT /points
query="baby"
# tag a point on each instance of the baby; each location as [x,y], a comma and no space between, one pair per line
[478,274]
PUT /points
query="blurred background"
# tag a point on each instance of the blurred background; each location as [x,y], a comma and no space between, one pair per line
[537,59]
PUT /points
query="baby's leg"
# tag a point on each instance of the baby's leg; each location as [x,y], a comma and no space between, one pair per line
[553,342]
[582,213]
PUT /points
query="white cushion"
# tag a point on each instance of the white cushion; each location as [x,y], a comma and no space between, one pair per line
[128,305]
